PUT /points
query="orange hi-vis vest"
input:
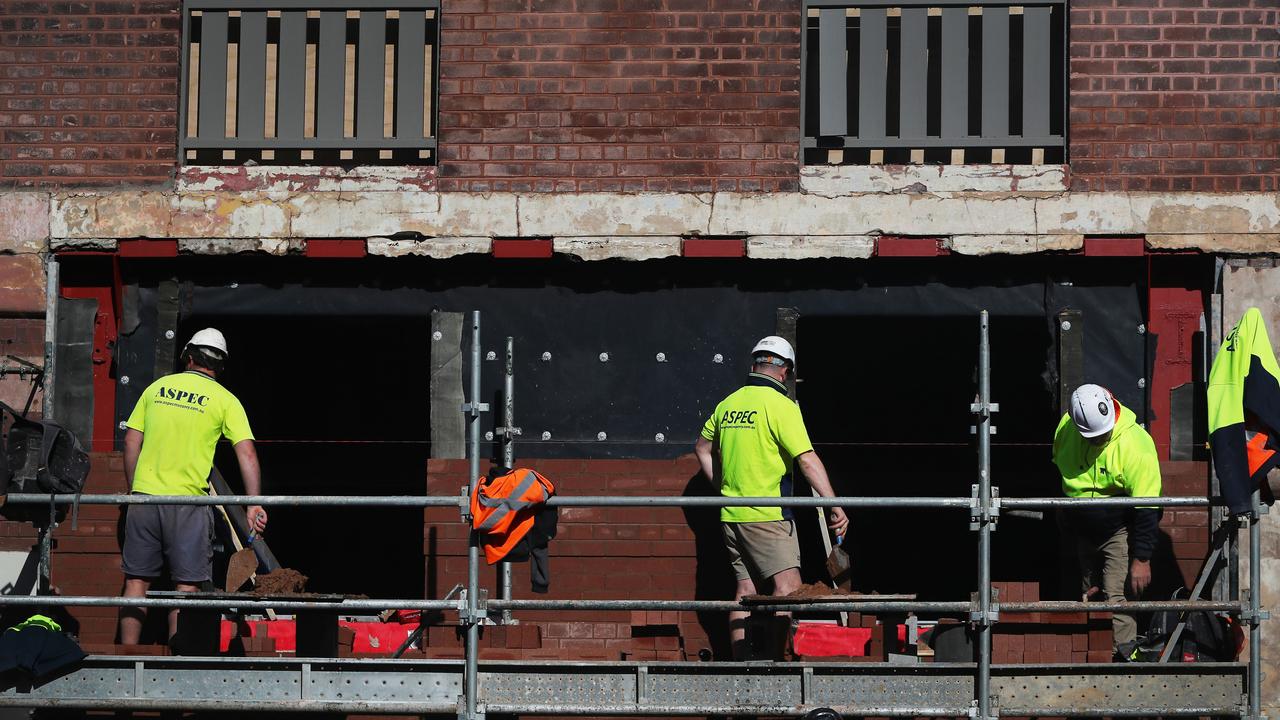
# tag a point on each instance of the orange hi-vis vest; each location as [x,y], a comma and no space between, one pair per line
[1258,451]
[503,509]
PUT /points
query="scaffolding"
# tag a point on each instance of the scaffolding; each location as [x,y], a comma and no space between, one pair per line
[980,690]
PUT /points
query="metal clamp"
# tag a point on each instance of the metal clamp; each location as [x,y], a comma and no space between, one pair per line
[978,514]
[465,614]
[507,432]
[462,709]
[464,505]
[1246,612]
[984,409]
[990,617]
[474,409]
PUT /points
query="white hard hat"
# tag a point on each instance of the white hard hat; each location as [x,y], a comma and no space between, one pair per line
[1094,410]
[775,345]
[209,338]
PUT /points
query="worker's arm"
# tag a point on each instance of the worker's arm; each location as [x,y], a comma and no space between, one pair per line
[1142,478]
[132,449]
[816,473]
[251,473]
[703,449]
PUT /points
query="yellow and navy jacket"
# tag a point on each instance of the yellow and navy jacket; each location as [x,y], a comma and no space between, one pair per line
[1244,402]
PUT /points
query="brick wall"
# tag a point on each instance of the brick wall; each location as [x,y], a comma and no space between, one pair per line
[602,554]
[611,95]
[88,92]
[1174,95]
[24,338]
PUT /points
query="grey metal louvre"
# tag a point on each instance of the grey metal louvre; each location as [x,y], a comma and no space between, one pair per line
[930,76]
[311,81]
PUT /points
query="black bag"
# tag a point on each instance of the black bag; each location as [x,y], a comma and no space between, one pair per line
[39,456]
[1205,638]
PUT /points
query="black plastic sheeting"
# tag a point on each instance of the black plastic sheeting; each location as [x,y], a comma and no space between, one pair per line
[688,310]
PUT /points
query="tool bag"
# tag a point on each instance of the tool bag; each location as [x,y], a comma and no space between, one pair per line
[39,456]
[1207,636]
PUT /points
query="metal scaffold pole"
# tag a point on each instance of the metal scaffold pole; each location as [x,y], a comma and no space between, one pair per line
[1256,614]
[508,431]
[473,408]
[985,520]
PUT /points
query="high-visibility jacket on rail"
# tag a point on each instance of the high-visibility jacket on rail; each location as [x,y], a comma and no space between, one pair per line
[504,508]
[1244,399]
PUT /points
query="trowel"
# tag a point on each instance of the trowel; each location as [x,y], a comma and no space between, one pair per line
[243,565]
[840,566]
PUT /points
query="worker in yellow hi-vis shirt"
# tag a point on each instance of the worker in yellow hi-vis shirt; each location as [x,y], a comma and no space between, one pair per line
[168,450]
[757,434]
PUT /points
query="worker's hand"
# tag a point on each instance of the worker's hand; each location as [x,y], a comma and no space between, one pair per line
[1139,576]
[1093,590]
[256,516]
[838,521]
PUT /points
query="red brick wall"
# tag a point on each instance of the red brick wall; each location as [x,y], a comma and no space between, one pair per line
[1174,95]
[602,554]
[88,92]
[24,338]
[609,95]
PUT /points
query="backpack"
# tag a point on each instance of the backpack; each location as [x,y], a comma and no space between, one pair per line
[1207,636]
[39,456]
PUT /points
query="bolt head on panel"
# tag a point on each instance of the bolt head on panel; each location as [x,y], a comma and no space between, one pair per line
[718,359]
[546,357]
[437,335]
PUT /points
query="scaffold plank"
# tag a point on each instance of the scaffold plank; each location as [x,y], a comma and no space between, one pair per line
[686,688]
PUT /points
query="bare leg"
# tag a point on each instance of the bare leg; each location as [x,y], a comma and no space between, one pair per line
[786,582]
[173,614]
[131,617]
[738,622]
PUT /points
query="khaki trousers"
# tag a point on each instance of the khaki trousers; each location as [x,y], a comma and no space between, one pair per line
[1107,567]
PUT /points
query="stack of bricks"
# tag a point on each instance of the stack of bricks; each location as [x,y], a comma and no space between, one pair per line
[86,558]
[1187,528]
[600,553]
[1044,637]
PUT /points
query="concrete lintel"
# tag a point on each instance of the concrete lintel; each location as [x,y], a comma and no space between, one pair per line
[1013,244]
[881,214]
[24,222]
[842,180]
[802,247]
[1245,243]
[624,247]
[235,246]
[438,247]
[607,214]
[83,244]
[291,178]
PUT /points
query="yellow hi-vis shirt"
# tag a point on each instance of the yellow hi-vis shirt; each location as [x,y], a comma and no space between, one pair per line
[181,417]
[759,432]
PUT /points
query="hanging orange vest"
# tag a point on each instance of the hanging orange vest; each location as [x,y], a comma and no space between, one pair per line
[503,509]
[1257,452]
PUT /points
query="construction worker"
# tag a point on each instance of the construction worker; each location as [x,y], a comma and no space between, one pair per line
[168,450]
[754,438]
[1102,451]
